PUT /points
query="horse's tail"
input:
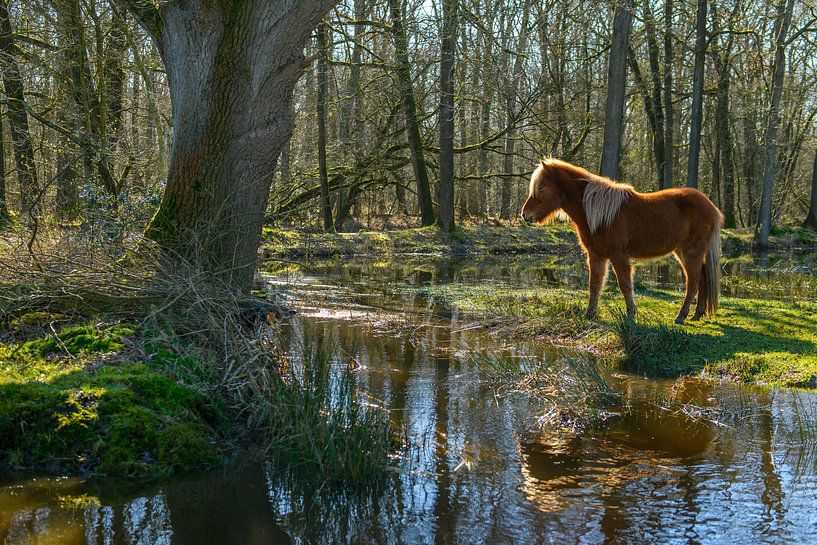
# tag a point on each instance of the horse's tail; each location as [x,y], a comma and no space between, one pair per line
[712,271]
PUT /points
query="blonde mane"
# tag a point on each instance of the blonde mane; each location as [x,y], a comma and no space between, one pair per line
[602,201]
[602,198]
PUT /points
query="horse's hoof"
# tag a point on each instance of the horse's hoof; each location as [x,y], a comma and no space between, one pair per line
[679,320]
[696,317]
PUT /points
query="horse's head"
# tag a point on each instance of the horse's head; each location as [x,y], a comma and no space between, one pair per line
[545,197]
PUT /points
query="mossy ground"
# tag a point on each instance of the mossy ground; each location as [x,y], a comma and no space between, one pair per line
[749,340]
[426,240]
[468,240]
[75,400]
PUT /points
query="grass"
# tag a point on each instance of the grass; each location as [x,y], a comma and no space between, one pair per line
[427,241]
[319,425]
[115,399]
[571,386]
[750,340]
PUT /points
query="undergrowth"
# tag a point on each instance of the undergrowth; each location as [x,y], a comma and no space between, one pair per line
[145,366]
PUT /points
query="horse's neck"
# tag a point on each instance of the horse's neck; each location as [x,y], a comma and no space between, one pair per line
[572,192]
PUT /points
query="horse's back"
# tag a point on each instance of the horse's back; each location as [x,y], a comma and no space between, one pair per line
[659,223]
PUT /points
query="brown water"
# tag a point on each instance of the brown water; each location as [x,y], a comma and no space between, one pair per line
[676,462]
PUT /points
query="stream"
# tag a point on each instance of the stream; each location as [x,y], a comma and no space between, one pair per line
[676,461]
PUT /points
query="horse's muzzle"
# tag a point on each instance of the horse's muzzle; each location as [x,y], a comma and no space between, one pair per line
[527,217]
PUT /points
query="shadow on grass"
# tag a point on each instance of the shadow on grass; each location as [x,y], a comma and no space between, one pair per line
[660,350]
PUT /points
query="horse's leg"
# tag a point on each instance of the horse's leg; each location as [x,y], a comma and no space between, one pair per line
[692,261]
[700,306]
[598,275]
[624,275]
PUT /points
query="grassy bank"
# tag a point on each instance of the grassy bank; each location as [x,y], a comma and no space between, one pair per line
[292,243]
[80,398]
[116,399]
[140,367]
[750,340]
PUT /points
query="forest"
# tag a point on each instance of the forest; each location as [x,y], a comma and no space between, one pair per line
[715,95]
[270,271]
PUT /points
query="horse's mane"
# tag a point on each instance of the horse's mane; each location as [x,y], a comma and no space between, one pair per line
[602,197]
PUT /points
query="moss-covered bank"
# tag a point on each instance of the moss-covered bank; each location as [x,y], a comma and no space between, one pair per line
[284,243]
[750,340]
[80,399]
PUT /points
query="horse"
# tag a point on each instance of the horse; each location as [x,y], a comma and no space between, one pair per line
[615,223]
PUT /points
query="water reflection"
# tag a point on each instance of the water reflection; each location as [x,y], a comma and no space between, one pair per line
[676,462]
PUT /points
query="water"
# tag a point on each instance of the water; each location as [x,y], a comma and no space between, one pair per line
[674,462]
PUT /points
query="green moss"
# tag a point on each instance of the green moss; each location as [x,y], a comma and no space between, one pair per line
[59,413]
[78,339]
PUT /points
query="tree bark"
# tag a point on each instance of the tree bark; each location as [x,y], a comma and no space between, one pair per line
[17,115]
[352,123]
[93,122]
[5,217]
[445,203]
[725,164]
[616,86]
[415,140]
[696,115]
[811,217]
[659,139]
[669,118]
[781,28]
[231,68]
[320,104]
[517,72]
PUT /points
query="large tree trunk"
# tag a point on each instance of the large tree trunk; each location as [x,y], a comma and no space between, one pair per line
[811,217]
[696,116]
[409,104]
[781,28]
[231,67]
[445,203]
[320,103]
[17,115]
[616,85]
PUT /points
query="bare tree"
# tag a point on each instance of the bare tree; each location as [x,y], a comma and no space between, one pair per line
[320,104]
[697,96]
[616,85]
[17,115]
[445,204]
[781,29]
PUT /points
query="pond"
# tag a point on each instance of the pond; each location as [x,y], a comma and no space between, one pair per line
[675,461]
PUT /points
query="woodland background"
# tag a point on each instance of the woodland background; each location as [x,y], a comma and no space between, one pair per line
[86,128]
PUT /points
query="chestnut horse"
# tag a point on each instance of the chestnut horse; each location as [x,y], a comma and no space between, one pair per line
[616,223]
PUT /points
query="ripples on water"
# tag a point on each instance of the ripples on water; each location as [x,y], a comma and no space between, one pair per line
[741,467]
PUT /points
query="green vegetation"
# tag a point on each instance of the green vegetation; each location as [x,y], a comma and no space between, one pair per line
[320,427]
[571,387]
[426,240]
[115,399]
[283,243]
[750,340]
[70,402]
